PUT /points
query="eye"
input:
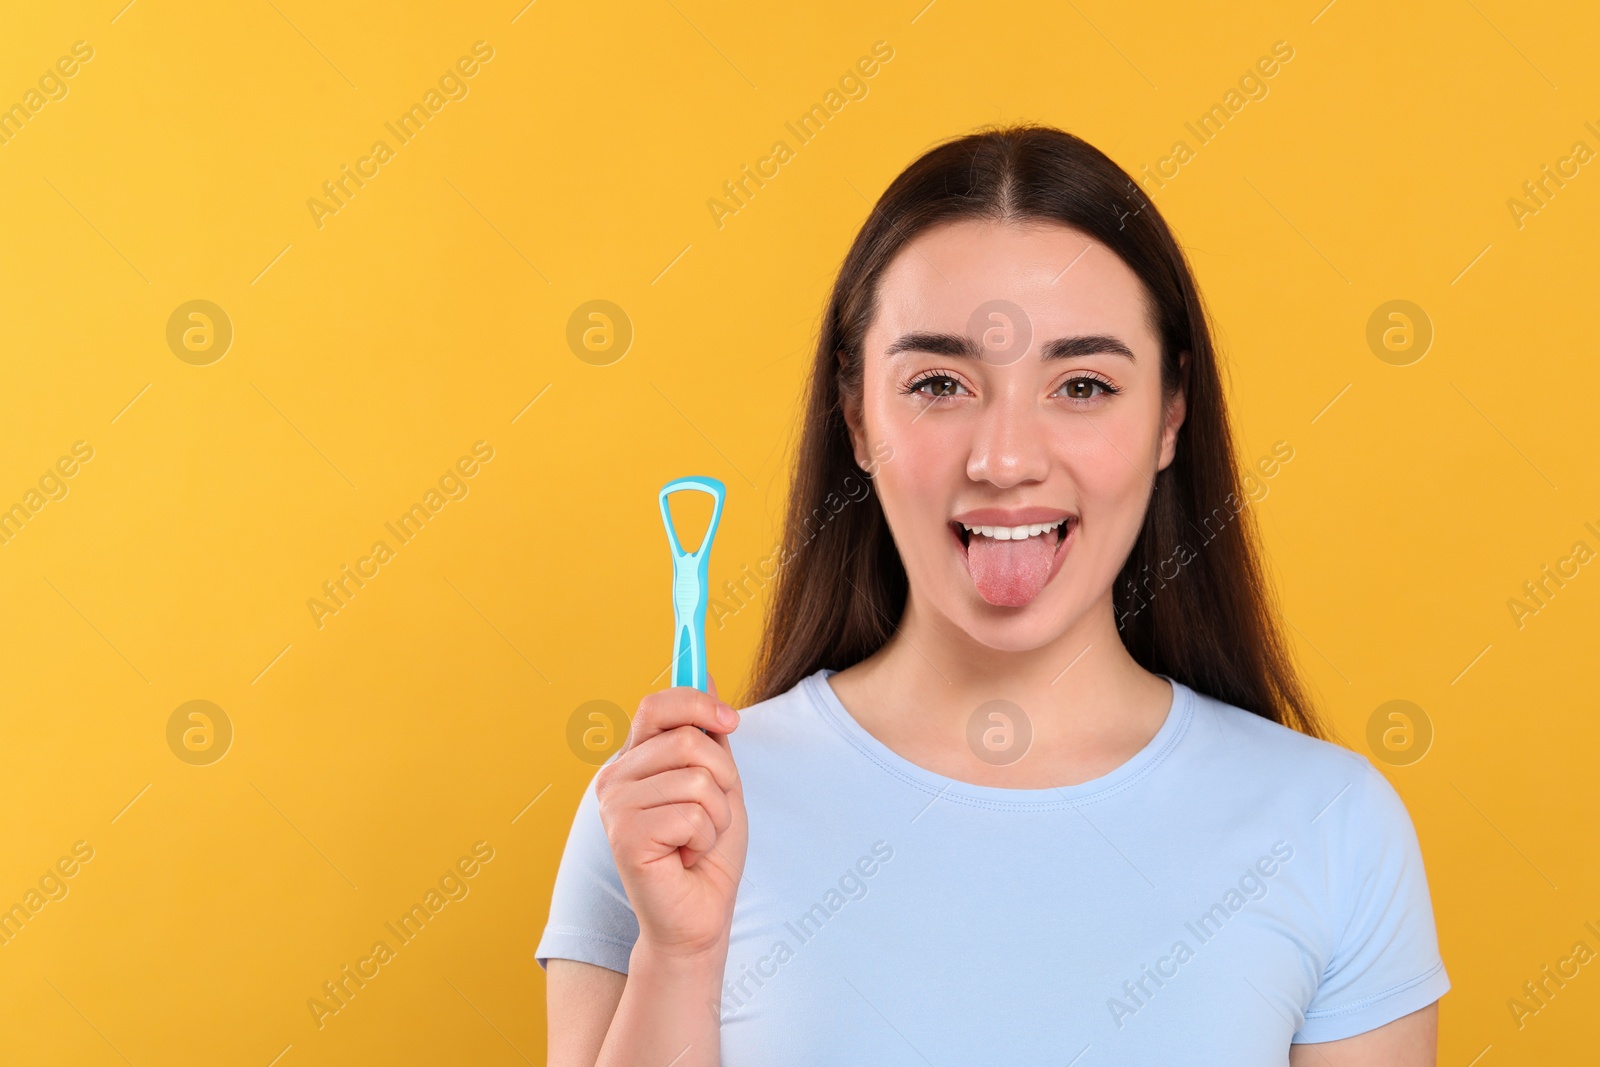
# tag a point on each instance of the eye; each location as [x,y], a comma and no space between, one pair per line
[1083,387]
[934,386]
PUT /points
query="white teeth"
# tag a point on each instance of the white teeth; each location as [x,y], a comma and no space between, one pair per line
[1010,533]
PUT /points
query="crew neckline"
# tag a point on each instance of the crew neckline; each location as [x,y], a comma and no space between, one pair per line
[1157,749]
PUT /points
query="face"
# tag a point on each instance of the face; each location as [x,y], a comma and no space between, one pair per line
[1013,380]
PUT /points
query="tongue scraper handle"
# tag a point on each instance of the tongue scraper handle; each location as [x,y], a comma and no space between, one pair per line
[691,588]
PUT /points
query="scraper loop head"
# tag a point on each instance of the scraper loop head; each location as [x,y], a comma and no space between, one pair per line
[691,587]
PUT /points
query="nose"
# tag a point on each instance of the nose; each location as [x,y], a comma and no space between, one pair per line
[1008,443]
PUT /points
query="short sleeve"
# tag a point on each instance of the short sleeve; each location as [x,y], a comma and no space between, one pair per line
[591,918]
[1386,963]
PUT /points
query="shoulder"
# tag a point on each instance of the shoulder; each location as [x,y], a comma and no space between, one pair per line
[1318,779]
[784,719]
[1331,804]
[1260,733]
[1256,736]
[785,744]
[1357,863]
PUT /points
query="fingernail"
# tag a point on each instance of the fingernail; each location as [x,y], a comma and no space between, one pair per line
[725,715]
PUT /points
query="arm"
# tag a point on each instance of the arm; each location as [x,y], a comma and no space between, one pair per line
[1377,1001]
[580,1000]
[672,812]
[1410,1041]
[664,1010]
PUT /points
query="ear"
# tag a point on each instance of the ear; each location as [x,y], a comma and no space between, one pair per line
[853,421]
[1174,414]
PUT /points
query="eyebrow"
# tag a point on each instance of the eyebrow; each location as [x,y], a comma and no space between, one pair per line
[953,344]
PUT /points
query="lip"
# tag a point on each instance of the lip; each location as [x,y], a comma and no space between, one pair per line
[1011,516]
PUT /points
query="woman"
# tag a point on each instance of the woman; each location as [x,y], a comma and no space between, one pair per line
[1028,775]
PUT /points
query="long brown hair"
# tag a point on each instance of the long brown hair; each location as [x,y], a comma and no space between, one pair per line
[840,587]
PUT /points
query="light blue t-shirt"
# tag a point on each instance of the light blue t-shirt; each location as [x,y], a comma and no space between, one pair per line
[1233,887]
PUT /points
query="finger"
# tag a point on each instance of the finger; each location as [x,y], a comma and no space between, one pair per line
[680,705]
[711,687]
[656,832]
[684,785]
[680,747]
[724,742]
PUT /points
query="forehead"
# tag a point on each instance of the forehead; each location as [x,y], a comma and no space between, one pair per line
[1066,281]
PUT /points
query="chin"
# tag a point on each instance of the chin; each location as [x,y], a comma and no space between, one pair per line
[1036,626]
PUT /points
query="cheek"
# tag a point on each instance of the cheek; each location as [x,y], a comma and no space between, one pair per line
[928,451]
[1112,458]
[931,452]
[917,485]
[918,482]
[1111,467]
[1105,467]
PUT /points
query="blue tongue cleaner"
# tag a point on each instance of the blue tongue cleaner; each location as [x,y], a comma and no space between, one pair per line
[691,586]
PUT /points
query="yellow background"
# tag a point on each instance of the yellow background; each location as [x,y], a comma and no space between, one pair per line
[372,352]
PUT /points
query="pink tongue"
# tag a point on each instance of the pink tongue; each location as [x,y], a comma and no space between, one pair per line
[1011,573]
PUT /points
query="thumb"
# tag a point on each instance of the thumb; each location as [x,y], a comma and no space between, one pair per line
[711,686]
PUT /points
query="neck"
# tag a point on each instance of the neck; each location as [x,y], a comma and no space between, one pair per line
[1080,691]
